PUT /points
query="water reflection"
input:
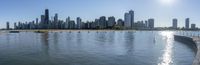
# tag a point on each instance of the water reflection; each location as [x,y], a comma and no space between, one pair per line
[94,48]
[45,43]
[166,58]
[129,42]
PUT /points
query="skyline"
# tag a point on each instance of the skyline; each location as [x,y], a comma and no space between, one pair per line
[45,22]
[14,11]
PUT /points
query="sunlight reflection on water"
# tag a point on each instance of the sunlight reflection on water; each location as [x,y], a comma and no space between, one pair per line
[167,56]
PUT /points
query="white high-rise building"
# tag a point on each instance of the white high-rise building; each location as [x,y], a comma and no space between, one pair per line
[127,20]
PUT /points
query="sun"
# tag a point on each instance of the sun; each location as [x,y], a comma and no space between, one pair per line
[167,2]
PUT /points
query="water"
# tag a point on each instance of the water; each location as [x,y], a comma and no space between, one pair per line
[94,48]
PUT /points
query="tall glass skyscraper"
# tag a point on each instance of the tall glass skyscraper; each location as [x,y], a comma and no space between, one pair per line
[46,20]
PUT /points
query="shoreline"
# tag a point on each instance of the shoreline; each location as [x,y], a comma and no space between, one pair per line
[25,30]
[194,41]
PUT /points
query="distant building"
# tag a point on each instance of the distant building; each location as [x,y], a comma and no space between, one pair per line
[67,23]
[55,22]
[103,22]
[139,25]
[72,24]
[127,20]
[131,12]
[120,22]
[42,26]
[15,25]
[97,23]
[37,23]
[32,25]
[151,23]
[7,26]
[193,26]
[46,19]
[111,22]
[187,23]
[174,23]
[146,24]
[78,20]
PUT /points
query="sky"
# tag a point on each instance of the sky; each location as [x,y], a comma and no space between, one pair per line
[163,11]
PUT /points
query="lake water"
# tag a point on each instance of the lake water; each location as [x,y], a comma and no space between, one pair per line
[94,48]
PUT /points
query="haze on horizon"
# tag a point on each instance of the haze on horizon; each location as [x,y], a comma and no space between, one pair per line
[163,11]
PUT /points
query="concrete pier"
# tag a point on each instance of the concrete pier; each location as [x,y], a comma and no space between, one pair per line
[194,42]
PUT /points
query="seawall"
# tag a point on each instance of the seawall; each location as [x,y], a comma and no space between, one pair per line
[193,42]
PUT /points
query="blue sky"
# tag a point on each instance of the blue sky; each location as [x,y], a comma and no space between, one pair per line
[162,12]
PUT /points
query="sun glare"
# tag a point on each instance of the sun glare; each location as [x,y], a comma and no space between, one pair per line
[167,2]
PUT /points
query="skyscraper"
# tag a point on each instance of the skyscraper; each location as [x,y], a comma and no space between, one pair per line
[37,23]
[55,23]
[127,20]
[102,22]
[7,26]
[146,24]
[42,25]
[187,23]
[97,23]
[67,23]
[71,24]
[174,23]
[151,23]
[15,25]
[111,21]
[46,20]
[78,20]
[131,12]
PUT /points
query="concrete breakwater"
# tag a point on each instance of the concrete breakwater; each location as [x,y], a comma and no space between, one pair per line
[193,42]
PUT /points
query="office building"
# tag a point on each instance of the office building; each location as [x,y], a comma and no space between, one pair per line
[67,23]
[187,23]
[193,26]
[120,22]
[151,23]
[146,24]
[37,23]
[127,21]
[42,26]
[46,20]
[55,22]
[131,12]
[15,25]
[103,22]
[111,22]
[78,20]
[174,23]
[7,26]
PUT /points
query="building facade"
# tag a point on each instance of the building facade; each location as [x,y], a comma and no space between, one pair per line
[187,23]
[174,23]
